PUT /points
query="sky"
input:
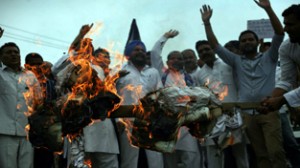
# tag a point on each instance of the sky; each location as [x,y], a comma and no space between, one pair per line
[49,26]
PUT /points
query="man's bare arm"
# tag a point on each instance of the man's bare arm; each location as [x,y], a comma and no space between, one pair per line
[206,13]
[266,5]
[83,31]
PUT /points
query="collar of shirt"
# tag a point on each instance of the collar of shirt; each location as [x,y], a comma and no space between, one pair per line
[4,67]
[131,65]
[217,62]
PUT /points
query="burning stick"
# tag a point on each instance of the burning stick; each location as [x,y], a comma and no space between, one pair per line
[241,105]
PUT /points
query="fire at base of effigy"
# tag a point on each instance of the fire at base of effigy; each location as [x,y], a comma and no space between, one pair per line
[157,120]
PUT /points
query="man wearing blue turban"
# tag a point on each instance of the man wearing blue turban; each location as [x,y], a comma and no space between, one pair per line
[143,79]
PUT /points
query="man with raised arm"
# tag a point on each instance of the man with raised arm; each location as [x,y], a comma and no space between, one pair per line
[186,152]
[155,57]
[141,80]
[1,33]
[255,79]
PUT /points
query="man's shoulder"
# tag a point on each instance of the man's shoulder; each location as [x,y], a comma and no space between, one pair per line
[288,46]
[152,70]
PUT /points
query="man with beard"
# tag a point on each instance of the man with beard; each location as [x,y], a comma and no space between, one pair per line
[289,62]
[255,80]
[141,80]
[217,76]
[285,92]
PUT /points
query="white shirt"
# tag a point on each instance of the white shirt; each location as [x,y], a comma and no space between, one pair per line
[12,102]
[100,136]
[220,73]
[156,59]
[289,54]
[137,84]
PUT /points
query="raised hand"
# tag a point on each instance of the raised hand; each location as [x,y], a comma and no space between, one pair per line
[85,29]
[263,3]
[206,13]
[171,33]
[1,32]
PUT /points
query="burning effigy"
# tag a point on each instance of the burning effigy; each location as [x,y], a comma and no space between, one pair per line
[87,99]
[86,96]
[170,108]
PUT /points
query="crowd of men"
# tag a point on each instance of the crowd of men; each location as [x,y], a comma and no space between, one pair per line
[259,136]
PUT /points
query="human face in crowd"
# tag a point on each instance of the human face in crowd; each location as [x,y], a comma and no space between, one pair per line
[103,59]
[35,65]
[248,43]
[206,53]
[292,28]
[10,56]
[175,61]
[189,58]
[138,56]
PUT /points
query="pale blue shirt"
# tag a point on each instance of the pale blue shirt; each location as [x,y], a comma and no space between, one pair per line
[255,78]
[13,105]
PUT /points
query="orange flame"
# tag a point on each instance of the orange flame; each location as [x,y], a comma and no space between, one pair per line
[217,88]
[39,71]
[32,96]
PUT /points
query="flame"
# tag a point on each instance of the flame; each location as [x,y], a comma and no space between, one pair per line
[178,79]
[27,128]
[224,93]
[218,88]
[83,78]
[88,162]
[138,110]
[39,72]
[32,96]
[95,30]
[19,106]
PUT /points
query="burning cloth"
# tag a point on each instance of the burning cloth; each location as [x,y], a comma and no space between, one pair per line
[157,123]
[166,110]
